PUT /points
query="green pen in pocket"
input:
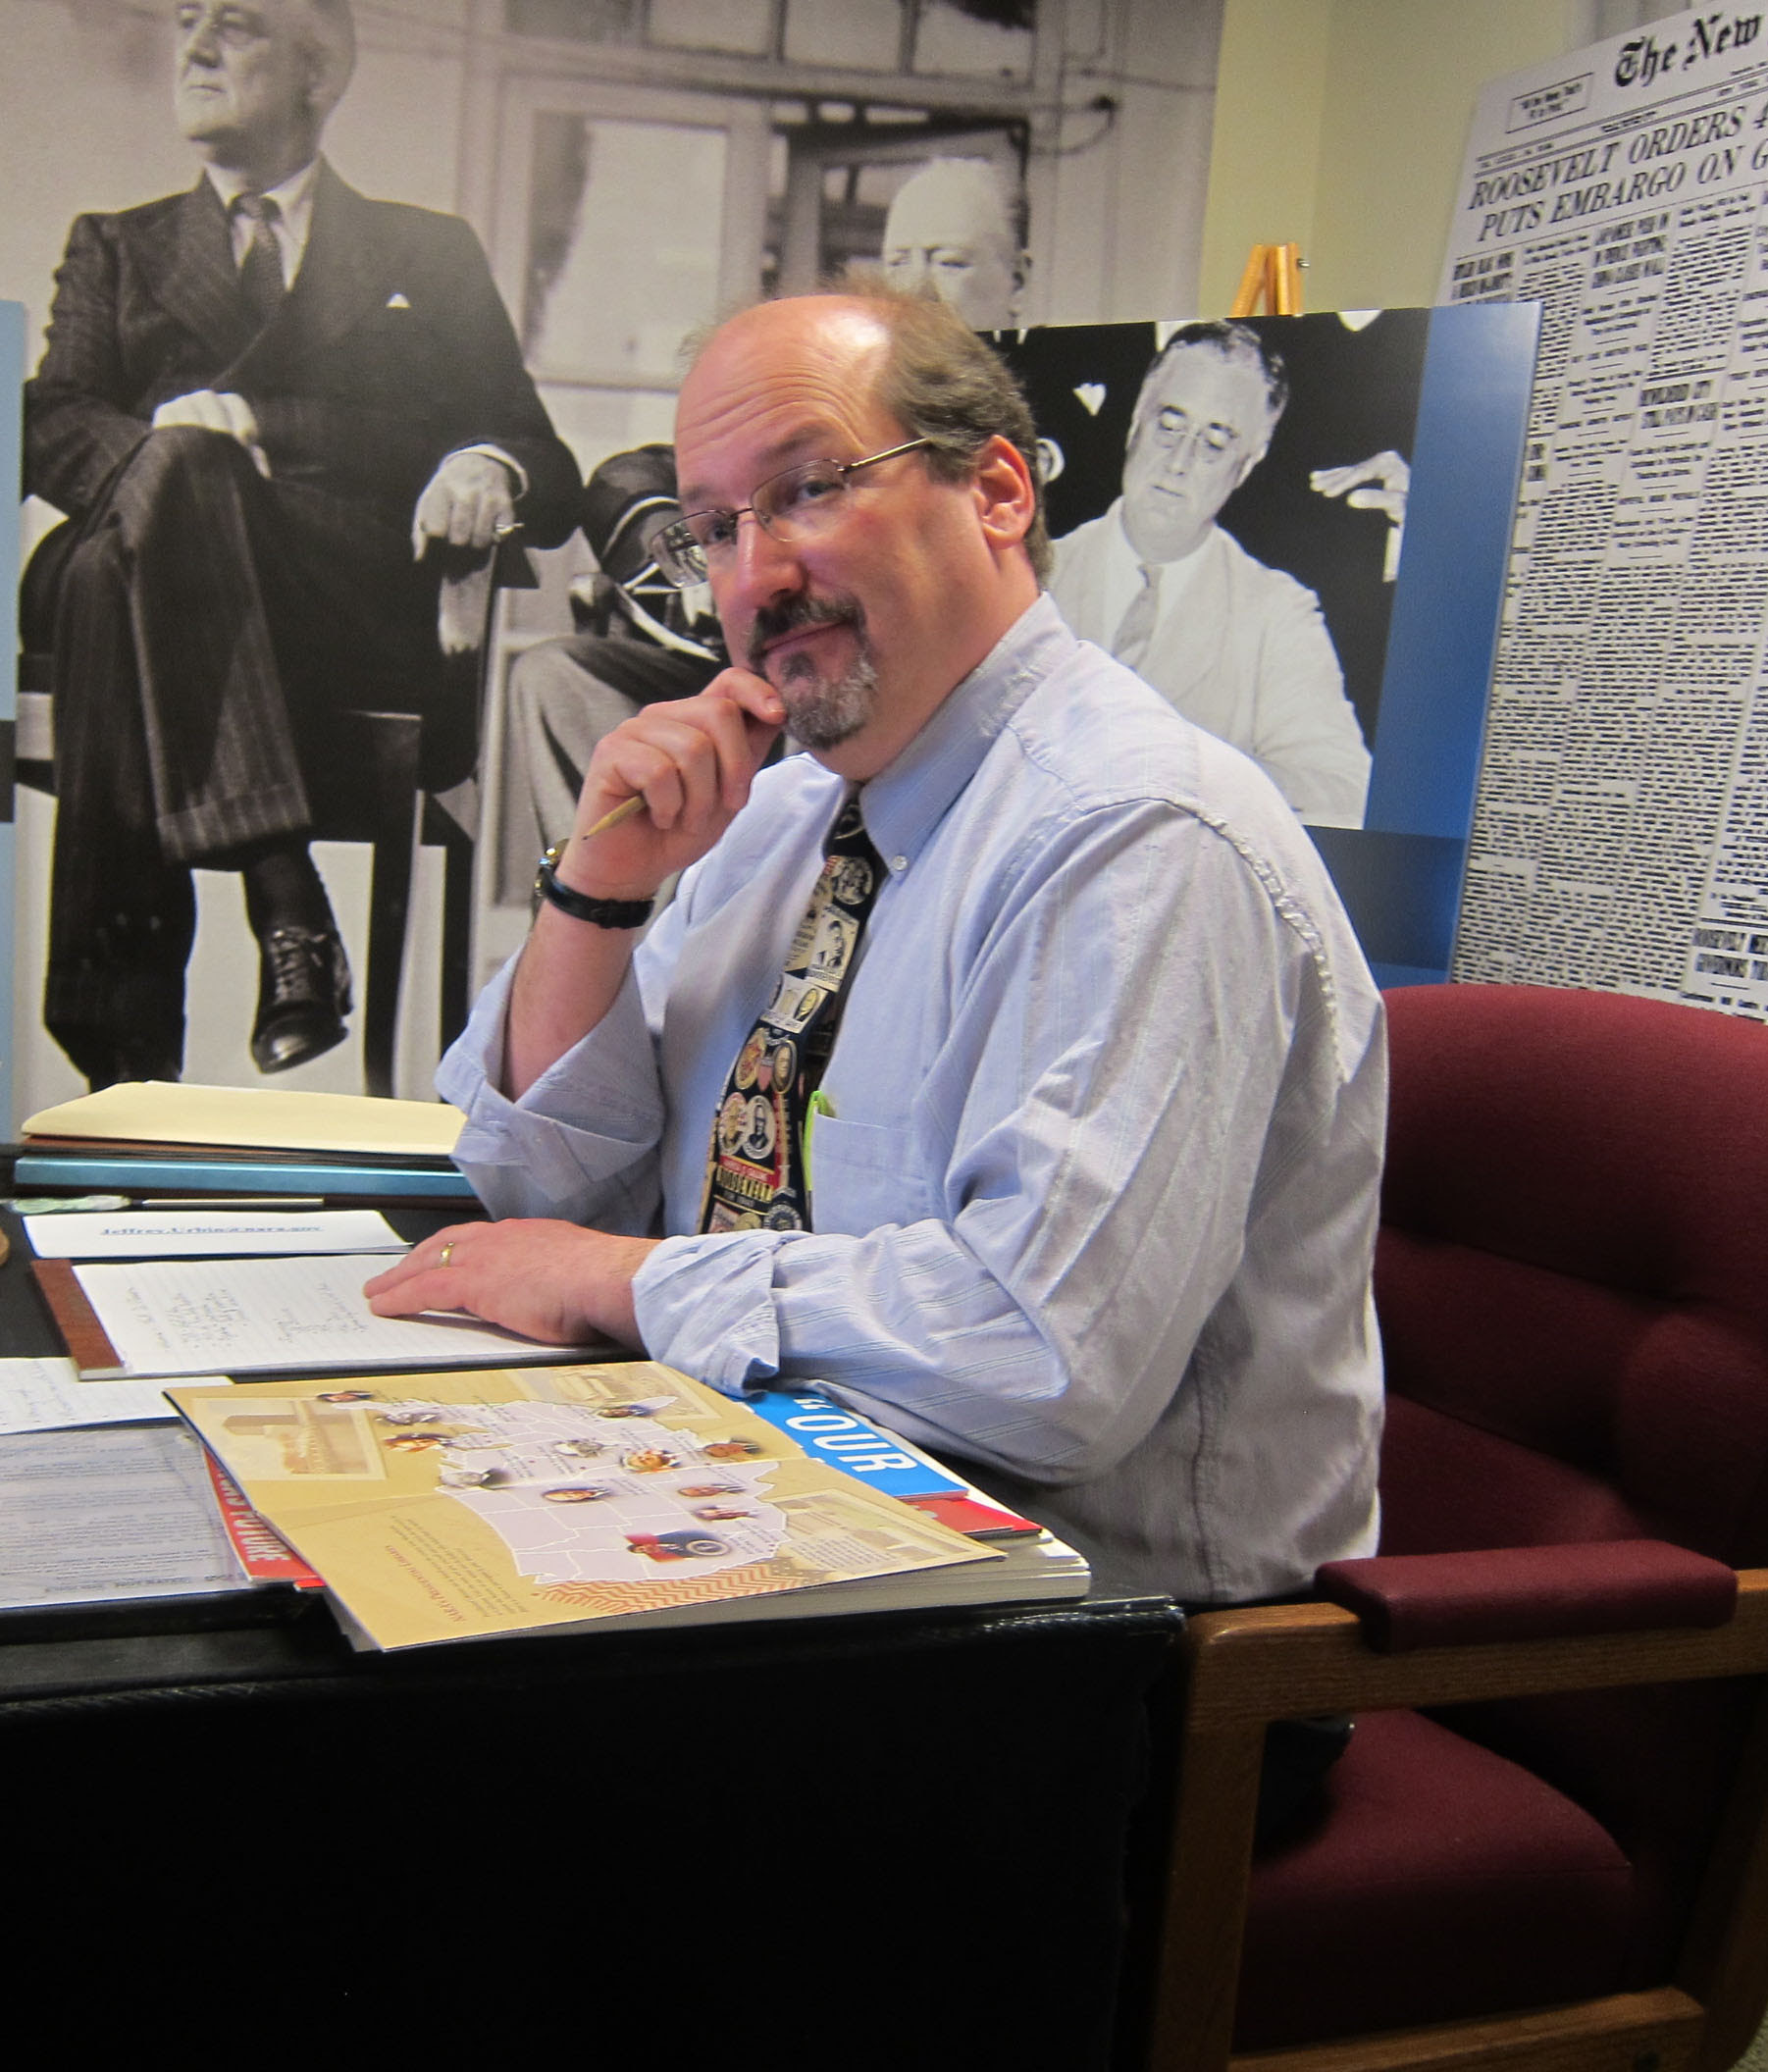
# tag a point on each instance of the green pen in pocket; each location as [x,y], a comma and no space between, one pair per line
[817,1105]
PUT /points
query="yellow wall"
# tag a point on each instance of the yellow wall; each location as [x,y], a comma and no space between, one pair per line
[1341,124]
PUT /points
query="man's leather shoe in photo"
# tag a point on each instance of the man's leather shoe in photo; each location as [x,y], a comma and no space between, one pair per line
[304,996]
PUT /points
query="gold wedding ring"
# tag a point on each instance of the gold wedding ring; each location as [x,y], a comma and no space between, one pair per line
[447,1252]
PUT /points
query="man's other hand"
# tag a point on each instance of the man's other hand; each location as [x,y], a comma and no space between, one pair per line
[211,410]
[1383,483]
[471,498]
[550,1280]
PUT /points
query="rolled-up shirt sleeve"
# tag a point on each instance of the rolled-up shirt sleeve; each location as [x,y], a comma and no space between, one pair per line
[581,1143]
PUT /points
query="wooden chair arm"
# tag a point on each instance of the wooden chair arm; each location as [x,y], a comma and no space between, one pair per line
[1248,1666]
[466,619]
[1272,1662]
[1557,1592]
[467,590]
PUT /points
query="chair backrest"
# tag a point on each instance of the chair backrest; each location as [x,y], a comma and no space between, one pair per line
[1573,1285]
[1571,1275]
[628,498]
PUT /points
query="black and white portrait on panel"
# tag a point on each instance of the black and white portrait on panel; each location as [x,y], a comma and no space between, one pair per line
[1228,501]
[267,408]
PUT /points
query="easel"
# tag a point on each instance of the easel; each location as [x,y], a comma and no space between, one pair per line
[1273,276]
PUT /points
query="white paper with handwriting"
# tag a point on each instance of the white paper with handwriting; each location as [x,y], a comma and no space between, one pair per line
[255,1316]
[47,1395]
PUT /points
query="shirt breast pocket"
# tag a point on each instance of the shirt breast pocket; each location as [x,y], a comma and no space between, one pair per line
[863,1177]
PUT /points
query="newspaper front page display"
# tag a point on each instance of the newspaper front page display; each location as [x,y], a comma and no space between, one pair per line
[1621,833]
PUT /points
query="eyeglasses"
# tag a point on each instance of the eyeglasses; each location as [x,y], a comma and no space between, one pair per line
[798,504]
[1173,428]
[234,27]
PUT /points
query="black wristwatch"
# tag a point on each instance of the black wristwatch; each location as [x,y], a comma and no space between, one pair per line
[599,914]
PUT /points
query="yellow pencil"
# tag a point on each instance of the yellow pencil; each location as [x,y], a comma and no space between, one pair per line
[619,814]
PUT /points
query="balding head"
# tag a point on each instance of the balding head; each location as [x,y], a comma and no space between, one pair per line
[868,598]
[254,80]
[932,376]
[953,228]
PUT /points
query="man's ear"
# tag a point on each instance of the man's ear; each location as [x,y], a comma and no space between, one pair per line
[1006,495]
[1251,461]
[1022,281]
[329,69]
[324,88]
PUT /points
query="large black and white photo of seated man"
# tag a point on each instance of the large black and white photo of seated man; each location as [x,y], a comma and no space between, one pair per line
[263,403]
[1229,501]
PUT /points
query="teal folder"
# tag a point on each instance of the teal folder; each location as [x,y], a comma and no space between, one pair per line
[148,1175]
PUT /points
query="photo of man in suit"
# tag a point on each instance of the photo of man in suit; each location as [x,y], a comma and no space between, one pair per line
[1240,649]
[264,404]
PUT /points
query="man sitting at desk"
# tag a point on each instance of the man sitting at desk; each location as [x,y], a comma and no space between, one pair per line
[1084,1192]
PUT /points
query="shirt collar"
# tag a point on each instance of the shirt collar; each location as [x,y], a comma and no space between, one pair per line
[292,196]
[1124,546]
[905,802]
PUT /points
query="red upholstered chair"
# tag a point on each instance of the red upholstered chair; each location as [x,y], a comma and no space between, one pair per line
[1546,1844]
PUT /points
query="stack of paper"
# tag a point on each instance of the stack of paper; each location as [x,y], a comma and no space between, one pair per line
[156,1135]
[301,1315]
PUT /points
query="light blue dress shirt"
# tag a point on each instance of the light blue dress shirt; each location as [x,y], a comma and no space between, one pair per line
[1095,1200]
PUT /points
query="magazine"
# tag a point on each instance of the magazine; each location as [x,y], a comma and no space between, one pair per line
[461,1504]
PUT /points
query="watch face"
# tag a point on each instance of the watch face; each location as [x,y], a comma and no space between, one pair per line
[545,874]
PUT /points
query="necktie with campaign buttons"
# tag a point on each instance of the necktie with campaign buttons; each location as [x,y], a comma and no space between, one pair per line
[756,1177]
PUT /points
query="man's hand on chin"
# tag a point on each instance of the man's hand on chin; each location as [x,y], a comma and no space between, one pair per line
[550,1280]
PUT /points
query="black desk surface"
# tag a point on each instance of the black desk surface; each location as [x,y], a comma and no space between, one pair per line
[891,1841]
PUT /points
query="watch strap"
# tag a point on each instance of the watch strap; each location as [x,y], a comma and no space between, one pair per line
[599,914]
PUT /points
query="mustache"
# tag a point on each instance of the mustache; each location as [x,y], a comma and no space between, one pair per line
[773,622]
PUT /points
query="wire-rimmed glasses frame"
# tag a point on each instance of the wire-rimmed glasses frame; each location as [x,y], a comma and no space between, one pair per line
[1173,428]
[794,505]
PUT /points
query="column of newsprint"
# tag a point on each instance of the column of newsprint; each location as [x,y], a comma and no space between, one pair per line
[1621,834]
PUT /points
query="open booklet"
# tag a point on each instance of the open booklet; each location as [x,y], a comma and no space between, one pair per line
[460,1506]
